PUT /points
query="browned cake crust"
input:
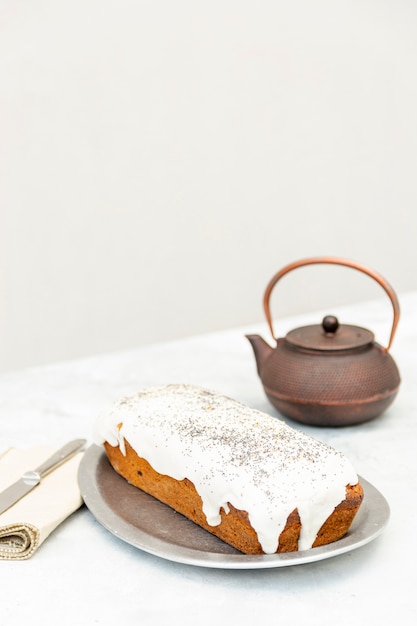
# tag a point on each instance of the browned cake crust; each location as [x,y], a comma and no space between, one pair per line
[235,528]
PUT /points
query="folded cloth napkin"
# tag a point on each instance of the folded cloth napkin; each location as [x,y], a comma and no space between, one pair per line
[26,525]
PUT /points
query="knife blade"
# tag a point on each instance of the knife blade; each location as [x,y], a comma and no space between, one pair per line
[31,479]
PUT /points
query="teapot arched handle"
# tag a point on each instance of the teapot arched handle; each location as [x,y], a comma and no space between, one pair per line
[334,261]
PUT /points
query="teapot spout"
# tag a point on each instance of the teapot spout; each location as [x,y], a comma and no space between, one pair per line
[261,349]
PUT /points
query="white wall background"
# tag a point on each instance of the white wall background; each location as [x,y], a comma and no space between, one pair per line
[161,160]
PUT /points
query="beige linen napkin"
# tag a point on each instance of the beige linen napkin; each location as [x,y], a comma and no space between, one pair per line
[26,525]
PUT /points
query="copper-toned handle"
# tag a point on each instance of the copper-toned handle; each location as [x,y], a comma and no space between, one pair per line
[334,261]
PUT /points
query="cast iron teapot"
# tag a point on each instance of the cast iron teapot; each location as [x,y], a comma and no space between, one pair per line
[328,374]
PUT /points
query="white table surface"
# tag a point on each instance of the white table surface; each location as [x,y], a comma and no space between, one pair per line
[83,574]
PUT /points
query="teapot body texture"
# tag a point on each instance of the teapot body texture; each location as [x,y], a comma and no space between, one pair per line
[332,390]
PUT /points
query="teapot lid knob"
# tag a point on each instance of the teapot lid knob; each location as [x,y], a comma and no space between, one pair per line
[330,324]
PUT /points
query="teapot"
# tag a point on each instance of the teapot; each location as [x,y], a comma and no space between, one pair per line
[327,374]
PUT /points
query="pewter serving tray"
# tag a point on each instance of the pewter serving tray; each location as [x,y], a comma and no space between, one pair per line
[144,522]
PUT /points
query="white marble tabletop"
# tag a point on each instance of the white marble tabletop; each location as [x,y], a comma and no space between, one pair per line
[83,574]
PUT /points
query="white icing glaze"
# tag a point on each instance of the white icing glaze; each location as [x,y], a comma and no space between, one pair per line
[233,454]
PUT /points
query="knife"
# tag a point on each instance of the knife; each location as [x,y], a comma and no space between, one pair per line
[29,480]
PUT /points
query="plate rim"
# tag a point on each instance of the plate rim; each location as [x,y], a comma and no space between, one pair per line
[372,525]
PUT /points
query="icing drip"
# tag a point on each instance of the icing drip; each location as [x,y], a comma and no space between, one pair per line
[233,454]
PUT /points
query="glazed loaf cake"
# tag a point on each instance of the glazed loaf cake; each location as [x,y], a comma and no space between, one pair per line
[243,475]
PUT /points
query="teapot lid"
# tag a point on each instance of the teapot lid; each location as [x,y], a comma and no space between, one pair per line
[330,335]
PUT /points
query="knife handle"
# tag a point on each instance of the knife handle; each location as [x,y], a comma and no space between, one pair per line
[62,455]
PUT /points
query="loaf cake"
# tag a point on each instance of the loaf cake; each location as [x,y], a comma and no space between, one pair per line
[243,475]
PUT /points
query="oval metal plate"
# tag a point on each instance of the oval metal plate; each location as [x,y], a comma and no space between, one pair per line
[144,522]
